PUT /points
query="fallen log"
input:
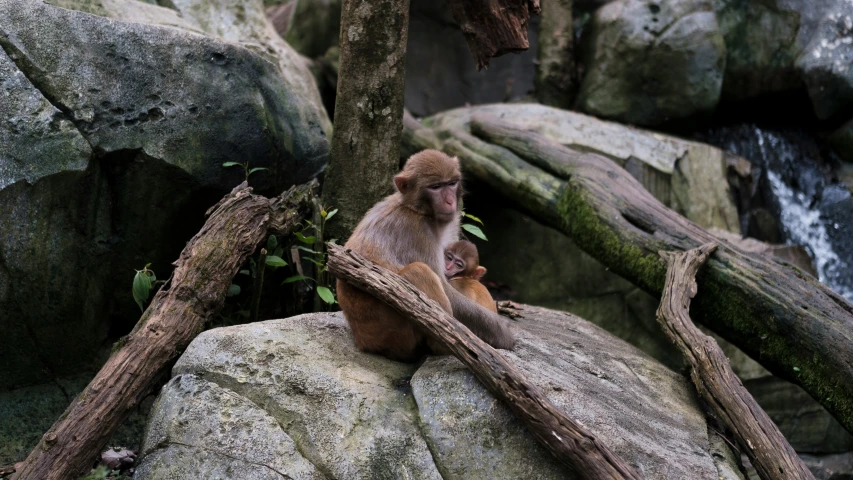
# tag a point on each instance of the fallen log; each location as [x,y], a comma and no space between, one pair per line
[793,325]
[563,437]
[177,314]
[770,454]
[494,28]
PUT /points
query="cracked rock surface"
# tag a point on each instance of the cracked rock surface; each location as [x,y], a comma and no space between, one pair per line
[115,119]
[293,398]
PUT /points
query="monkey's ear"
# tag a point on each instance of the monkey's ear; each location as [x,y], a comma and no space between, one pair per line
[402,183]
[478,272]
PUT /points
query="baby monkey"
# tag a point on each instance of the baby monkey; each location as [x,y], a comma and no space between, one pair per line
[462,268]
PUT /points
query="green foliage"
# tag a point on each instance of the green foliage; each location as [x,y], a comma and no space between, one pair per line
[326,295]
[318,258]
[275,261]
[473,229]
[246,170]
[143,282]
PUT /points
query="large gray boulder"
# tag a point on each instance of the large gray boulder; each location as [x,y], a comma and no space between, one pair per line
[763,41]
[648,62]
[293,398]
[114,125]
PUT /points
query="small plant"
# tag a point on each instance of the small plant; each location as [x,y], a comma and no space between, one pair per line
[318,258]
[143,282]
[248,171]
[473,229]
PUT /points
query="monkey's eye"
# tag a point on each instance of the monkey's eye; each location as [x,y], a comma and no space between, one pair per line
[448,257]
[459,264]
[453,183]
[434,187]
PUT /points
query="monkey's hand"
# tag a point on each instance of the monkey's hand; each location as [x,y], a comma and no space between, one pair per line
[509,309]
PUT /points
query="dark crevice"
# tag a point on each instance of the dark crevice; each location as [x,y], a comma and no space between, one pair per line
[161,446]
[36,77]
[217,379]
[638,223]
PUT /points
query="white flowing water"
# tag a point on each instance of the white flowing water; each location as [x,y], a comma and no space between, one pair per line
[793,172]
[803,223]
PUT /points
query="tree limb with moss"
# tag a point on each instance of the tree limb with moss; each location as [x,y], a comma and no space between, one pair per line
[793,325]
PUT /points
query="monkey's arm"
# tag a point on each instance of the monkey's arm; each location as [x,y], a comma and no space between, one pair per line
[489,326]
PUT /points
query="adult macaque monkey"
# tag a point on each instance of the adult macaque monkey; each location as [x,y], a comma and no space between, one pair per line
[463,271]
[407,233]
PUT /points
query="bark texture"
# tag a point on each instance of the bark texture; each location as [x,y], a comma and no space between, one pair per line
[770,454]
[562,436]
[555,73]
[792,324]
[177,314]
[493,28]
[365,153]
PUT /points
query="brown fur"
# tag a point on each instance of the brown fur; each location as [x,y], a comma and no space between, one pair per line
[476,291]
[467,282]
[407,234]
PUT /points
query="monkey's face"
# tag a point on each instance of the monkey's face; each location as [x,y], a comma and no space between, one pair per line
[442,197]
[453,265]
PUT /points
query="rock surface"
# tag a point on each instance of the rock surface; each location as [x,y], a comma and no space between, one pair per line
[114,124]
[648,62]
[316,406]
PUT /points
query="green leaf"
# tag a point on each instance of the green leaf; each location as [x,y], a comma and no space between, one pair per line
[151,277]
[319,263]
[296,278]
[233,290]
[331,214]
[245,272]
[231,164]
[272,242]
[302,238]
[257,169]
[334,241]
[326,295]
[306,249]
[279,251]
[474,230]
[472,217]
[141,288]
[796,369]
[274,261]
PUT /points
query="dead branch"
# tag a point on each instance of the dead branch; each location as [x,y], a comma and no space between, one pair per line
[772,455]
[494,28]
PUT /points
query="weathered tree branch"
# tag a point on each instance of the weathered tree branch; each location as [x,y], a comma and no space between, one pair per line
[564,438]
[493,28]
[772,455]
[196,290]
[792,324]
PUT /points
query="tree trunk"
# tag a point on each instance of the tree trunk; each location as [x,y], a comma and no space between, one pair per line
[766,447]
[365,153]
[493,28]
[196,290]
[565,439]
[555,73]
[792,324]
